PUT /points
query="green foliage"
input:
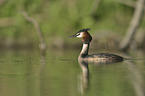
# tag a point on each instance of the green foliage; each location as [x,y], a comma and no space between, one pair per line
[62,17]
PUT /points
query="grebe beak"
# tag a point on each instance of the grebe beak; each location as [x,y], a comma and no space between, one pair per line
[72,36]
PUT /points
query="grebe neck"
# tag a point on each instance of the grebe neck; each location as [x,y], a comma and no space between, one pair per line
[85,50]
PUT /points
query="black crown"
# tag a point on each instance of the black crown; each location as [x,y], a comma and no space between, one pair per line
[85,30]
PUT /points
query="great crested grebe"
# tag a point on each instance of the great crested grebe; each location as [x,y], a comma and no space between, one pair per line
[97,58]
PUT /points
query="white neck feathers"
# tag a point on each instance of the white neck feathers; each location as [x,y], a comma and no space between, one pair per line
[85,49]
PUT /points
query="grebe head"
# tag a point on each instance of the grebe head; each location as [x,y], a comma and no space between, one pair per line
[84,35]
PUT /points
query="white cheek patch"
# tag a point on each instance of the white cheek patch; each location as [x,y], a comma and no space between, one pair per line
[81,34]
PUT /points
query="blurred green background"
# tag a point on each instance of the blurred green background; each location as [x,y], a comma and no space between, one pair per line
[59,19]
[27,73]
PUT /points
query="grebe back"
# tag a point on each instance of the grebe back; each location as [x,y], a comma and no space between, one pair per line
[99,57]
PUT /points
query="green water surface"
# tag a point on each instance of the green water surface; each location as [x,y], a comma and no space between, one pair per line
[28,73]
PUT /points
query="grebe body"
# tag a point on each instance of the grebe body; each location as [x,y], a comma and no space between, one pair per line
[96,58]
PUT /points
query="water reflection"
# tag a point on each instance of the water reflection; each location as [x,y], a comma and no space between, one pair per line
[43,57]
[84,78]
[135,76]
[30,73]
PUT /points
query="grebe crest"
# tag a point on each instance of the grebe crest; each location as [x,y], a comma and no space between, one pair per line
[95,58]
[84,35]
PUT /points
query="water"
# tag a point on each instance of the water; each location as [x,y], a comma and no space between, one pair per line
[27,73]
